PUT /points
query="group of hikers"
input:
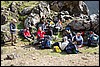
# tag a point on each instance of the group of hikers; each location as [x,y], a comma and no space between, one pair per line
[44,36]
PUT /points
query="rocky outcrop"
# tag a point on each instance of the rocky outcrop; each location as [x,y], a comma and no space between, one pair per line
[26,11]
[37,12]
[95,25]
[13,7]
[44,8]
[80,25]
[73,7]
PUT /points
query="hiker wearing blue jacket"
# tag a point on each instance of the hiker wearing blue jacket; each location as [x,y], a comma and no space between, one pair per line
[13,31]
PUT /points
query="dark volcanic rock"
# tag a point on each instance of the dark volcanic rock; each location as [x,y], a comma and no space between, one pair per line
[74,7]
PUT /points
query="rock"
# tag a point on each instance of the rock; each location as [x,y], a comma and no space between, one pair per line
[95,23]
[11,56]
[44,9]
[3,19]
[73,7]
[5,33]
[95,53]
[13,7]
[3,8]
[33,58]
[64,13]
[80,25]
[15,47]
[26,11]
[84,58]
[12,65]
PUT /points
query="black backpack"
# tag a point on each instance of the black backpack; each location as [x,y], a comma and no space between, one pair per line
[71,49]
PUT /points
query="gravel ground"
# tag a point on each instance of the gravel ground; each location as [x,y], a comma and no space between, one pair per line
[29,56]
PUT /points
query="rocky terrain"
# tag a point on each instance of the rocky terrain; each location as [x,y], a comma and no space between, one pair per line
[30,56]
[24,54]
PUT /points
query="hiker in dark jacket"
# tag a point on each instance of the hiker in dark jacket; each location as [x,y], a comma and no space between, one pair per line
[13,31]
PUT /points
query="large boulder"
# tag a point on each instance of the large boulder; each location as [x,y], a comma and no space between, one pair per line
[13,7]
[26,11]
[73,7]
[3,19]
[80,25]
[95,23]
[44,9]
[37,12]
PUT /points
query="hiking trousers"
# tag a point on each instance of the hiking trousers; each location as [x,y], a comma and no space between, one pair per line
[13,38]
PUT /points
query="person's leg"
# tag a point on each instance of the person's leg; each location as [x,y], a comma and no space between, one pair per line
[15,38]
[27,38]
[12,43]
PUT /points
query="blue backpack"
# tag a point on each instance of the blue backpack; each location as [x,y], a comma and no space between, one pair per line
[46,44]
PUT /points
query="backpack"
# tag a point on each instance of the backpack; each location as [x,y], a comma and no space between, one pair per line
[57,49]
[48,45]
[71,49]
[45,44]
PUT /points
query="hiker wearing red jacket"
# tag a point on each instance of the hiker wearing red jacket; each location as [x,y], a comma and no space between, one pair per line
[40,33]
[27,34]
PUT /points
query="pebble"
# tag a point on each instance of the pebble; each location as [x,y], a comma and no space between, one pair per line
[84,58]
[33,58]
[95,53]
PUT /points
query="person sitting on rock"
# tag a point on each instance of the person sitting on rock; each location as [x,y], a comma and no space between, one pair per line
[40,33]
[58,26]
[93,40]
[68,33]
[49,33]
[27,34]
[67,46]
[79,39]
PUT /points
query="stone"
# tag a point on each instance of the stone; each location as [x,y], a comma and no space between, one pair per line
[73,7]
[80,25]
[11,56]
[26,11]
[13,7]
[3,19]
[84,58]
[44,9]
[95,23]
[33,58]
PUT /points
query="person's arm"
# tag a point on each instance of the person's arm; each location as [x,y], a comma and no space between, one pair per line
[82,40]
[73,38]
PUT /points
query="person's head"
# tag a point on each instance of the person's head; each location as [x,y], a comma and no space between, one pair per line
[68,30]
[26,29]
[78,34]
[40,28]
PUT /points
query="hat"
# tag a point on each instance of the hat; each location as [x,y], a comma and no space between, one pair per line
[68,28]
[14,20]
